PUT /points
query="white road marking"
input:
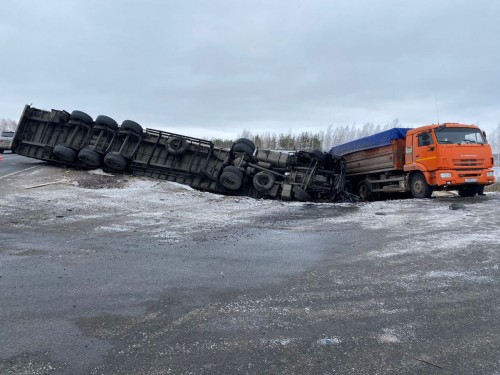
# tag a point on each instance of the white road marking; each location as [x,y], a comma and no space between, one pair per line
[13,173]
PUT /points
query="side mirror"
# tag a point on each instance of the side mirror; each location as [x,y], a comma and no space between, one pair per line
[484,134]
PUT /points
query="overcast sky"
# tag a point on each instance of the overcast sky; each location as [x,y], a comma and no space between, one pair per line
[213,68]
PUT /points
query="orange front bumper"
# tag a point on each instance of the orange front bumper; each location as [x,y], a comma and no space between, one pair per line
[453,177]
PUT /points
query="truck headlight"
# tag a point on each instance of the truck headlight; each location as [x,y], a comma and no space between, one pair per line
[445,175]
[490,174]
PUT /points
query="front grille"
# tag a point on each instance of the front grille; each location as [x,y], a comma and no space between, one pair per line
[468,162]
[470,174]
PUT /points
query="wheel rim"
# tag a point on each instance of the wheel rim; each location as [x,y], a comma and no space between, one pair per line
[418,187]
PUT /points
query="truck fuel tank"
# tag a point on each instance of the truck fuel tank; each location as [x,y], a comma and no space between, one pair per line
[275,158]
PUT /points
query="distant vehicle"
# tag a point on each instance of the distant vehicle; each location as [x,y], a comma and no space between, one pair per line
[6,138]
[75,139]
[447,156]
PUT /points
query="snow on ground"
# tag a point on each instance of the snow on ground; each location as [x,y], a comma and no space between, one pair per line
[160,209]
[427,225]
[169,211]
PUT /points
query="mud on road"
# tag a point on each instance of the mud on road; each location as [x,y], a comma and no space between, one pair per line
[120,275]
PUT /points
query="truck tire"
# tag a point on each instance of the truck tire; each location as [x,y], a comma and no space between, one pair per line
[419,186]
[300,194]
[365,191]
[176,145]
[132,126]
[263,181]
[90,157]
[246,141]
[231,178]
[64,153]
[82,117]
[468,190]
[107,122]
[245,146]
[116,161]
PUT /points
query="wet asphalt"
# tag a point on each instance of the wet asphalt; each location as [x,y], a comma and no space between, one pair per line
[288,294]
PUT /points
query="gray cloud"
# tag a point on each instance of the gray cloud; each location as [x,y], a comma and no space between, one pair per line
[217,67]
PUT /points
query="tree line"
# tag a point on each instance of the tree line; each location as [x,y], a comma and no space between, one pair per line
[7,124]
[307,140]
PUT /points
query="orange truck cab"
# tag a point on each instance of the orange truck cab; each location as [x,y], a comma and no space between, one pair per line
[451,156]
[418,161]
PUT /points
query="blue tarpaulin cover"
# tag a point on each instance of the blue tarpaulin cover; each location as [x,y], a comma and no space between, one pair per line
[376,140]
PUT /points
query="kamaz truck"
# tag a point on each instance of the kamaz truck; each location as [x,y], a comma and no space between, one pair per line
[419,161]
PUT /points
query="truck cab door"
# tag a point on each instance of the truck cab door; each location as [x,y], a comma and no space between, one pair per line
[424,151]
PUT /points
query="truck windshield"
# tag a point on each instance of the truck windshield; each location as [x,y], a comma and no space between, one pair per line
[459,135]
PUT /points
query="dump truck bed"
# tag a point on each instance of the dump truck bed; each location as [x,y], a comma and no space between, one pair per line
[380,152]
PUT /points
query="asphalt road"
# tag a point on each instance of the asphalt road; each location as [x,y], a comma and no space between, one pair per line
[12,164]
[116,275]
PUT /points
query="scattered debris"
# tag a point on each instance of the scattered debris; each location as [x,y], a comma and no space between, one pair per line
[100,172]
[430,363]
[457,206]
[63,181]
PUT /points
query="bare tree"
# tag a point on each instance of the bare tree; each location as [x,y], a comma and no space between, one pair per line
[494,141]
[8,124]
[246,134]
[326,140]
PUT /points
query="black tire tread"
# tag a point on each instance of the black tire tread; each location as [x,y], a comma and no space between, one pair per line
[300,194]
[116,161]
[90,157]
[64,153]
[427,190]
[82,117]
[263,181]
[177,145]
[132,126]
[231,178]
[107,122]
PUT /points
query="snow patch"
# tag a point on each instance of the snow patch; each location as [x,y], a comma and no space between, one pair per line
[100,172]
[388,336]
[464,275]
[328,341]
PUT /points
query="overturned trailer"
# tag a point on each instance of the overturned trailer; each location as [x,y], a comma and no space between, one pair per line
[77,140]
